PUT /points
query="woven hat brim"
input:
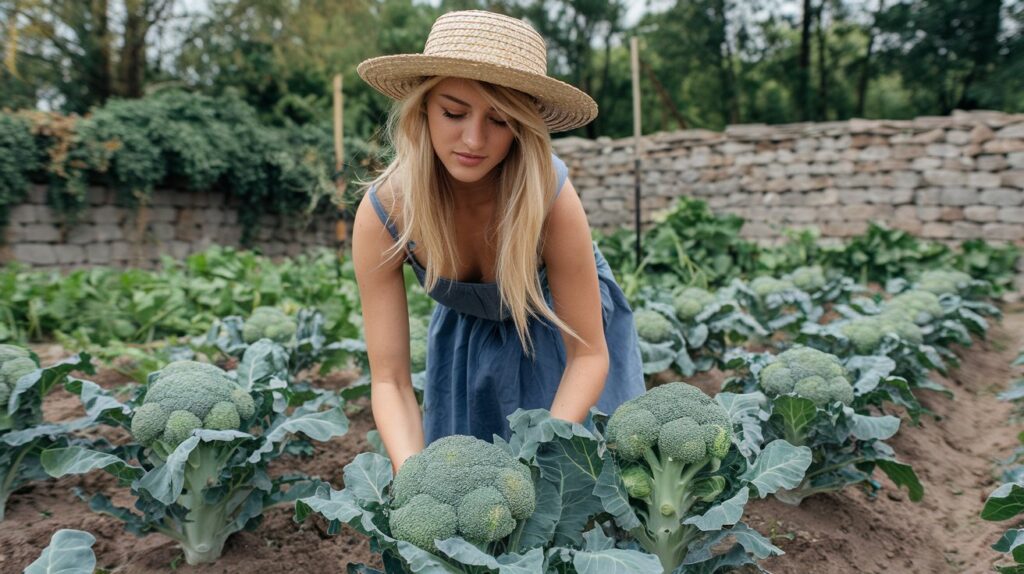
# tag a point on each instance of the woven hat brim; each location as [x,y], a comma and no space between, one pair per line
[563,107]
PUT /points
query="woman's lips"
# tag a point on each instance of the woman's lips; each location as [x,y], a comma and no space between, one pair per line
[469,160]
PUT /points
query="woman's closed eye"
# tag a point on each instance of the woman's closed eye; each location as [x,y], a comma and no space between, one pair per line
[453,116]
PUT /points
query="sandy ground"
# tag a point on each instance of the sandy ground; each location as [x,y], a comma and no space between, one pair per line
[954,455]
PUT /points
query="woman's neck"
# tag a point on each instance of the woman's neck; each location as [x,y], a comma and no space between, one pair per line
[477,193]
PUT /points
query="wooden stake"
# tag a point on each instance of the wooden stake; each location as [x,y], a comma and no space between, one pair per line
[341,229]
[634,51]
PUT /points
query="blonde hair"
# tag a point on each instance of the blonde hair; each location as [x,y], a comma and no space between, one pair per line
[526,188]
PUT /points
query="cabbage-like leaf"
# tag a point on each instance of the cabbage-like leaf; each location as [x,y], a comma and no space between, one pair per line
[69,552]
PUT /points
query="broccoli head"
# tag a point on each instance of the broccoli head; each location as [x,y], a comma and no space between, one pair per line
[866,332]
[810,278]
[637,425]
[691,301]
[943,281]
[808,373]
[270,323]
[765,285]
[922,307]
[460,485]
[652,326]
[185,396]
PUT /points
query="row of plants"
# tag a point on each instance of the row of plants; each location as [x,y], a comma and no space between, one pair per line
[1007,501]
[660,484]
[690,246]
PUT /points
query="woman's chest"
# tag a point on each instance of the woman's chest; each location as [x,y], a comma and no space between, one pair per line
[475,244]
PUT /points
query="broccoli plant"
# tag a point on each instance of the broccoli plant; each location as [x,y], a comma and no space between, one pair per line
[889,334]
[23,432]
[465,505]
[952,282]
[811,396]
[690,331]
[69,552]
[674,481]
[777,304]
[203,441]
[811,279]
[1005,503]
[301,341]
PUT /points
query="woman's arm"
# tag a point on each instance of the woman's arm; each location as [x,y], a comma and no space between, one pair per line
[572,276]
[386,325]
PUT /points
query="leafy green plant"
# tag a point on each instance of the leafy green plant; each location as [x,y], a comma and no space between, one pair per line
[675,482]
[1002,504]
[203,442]
[811,395]
[24,434]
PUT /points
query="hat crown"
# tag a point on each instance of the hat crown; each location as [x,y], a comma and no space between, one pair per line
[488,38]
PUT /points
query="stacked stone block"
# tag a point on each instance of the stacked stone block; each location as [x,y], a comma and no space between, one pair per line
[174,223]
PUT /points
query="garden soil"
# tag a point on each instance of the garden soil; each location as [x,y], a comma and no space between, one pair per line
[954,452]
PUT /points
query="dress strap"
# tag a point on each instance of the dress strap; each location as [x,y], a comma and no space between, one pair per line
[382,214]
[561,171]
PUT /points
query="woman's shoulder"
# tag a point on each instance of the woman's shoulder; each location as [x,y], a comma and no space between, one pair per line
[386,189]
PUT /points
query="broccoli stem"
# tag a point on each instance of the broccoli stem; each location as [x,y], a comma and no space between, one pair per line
[664,534]
[205,528]
[11,476]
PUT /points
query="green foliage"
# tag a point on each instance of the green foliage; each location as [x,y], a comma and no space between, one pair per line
[691,301]
[18,159]
[176,139]
[652,326]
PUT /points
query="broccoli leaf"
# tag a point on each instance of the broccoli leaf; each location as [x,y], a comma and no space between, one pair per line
[780,465]
[69,552]
[724,514]
[465,553]
[58,462]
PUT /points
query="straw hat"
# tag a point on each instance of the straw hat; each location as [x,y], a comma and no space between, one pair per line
[487,47]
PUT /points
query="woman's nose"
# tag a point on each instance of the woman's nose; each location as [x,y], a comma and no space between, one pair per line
[475,133]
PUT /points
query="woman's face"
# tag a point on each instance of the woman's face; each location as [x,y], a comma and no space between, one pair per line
[469,136]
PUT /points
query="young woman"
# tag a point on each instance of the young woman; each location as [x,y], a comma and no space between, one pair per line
[528,313]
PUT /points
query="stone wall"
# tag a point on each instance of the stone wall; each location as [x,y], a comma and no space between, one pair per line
[174,223]
[944,178]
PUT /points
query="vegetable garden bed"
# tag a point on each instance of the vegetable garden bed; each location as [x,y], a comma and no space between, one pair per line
[837,532]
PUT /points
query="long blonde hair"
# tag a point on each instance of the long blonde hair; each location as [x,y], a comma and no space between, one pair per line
[526,189]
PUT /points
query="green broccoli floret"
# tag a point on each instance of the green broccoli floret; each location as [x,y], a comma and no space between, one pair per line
[187,395]
[8,352]
[943,281]
[665,439]
[460,485]
[417,344]
[270,323]
[652,326]
[765,285]
[808,373]
[809,279]
[691,301]
[922,307]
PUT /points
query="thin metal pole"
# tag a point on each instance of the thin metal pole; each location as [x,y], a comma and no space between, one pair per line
[634,50]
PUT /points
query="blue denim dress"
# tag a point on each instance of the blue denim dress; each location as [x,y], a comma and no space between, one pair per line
[477,370]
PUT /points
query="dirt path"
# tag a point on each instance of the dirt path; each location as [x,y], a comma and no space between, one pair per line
[838,533]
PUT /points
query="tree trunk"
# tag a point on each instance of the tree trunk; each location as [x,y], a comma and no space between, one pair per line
[133,52]
[822,113]
[804,63]
[865,69]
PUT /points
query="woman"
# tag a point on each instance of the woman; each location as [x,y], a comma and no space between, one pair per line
[528,315]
